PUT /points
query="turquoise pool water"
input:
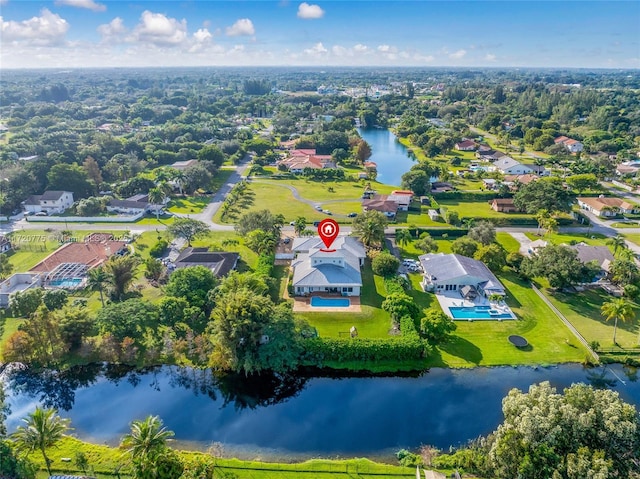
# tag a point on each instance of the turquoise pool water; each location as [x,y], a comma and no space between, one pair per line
[66,283]
[478,312]
[317,301]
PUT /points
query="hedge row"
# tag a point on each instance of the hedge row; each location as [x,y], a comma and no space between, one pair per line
[465,195]
[264,267]
[440,232]
[319,351]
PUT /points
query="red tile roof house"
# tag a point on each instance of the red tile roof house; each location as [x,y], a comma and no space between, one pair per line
[603,206]
[382,204]
[298,160]
[574,146]
[90,253]
[466,145]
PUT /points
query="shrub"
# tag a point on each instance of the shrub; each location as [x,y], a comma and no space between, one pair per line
[320,351]
[408,459]
[158,249]
[385,264]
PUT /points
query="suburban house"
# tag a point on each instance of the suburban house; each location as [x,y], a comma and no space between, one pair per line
[486,153]
[402,198]
[337,270]
[434,215]
[627,169]
[5,244]
[133,205]
[601,255]
[15,283]
[509,166]
[299,160]
[219,262]
[50,202]
[607,206]
[466,145]
[513,180]
[183,165]
[382,204]
[453,272]
[574,146]
[441,187]
[503,205]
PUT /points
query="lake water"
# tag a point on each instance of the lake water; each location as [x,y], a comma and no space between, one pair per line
[297,416]
[392,158]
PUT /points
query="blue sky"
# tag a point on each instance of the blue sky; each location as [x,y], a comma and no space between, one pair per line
[93,33]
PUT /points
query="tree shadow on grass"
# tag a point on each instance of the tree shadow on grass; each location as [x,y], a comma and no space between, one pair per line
[463,349]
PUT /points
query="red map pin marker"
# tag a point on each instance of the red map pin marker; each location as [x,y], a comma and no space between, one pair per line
[328,230]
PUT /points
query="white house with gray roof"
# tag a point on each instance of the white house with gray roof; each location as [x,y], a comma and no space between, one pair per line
[50,202]
[453,272]
[336,270]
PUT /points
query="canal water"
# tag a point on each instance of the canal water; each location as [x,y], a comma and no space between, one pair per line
[297,416]
[393,158]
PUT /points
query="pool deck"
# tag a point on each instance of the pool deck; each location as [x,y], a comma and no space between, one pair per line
[302,304]
[454,300]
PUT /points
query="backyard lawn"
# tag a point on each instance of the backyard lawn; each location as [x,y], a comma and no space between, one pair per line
[188,205]
[484,343]
[583,311]
[477,209]
[560,238]
[372,322]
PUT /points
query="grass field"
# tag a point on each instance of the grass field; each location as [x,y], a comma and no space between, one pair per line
[564,238]
[583,311]
[484,343]
[477,209]
[188,205]
[107,461]
[372,322]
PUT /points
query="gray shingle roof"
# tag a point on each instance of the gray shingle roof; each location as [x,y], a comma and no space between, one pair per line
[600,254]
[52,195]
[505,163]
[442,267]
[347,247]
[220,263]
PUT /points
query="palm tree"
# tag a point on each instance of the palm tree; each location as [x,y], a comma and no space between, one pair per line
[121,271]
[96,280]
[617,309]
[541,217]
[369,227]
[42,428]
[300,225]
[156,197]
[147,439]
[403,237]
[618,242]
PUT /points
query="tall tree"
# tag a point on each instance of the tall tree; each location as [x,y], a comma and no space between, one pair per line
[403,236]
[188,229]
[545,194]
[122,272]
[260,220]
[42,429]
[5,267]
[369,227]
[618,243]
[147,438]
[72,178]
[156,198]
[212,153]
[92,169]
[617,309]
[192,283]
[97,278]
[300,225]
[483,232]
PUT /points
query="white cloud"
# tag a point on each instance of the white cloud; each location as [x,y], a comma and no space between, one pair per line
[159,29]
[387,49]
[307,11]
[244,26]
[88,4]
[47,29]
[360,48]
[458,55]
[490,57]
[316,50]
[202,35]
[112,30]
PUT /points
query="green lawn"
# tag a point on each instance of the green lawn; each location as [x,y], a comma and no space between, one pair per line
[484,343]
[508,242]
[188,205]
[560,238]
[105,461]
[583,311]
[633,237]
[477,209]
[372,322]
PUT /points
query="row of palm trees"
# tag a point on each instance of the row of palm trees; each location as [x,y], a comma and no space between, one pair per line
[44,428]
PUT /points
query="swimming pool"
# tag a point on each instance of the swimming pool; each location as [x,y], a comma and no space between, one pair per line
[477,312]
[66,282]
[319,302]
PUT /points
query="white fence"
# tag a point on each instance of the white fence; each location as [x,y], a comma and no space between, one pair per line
[85,219]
